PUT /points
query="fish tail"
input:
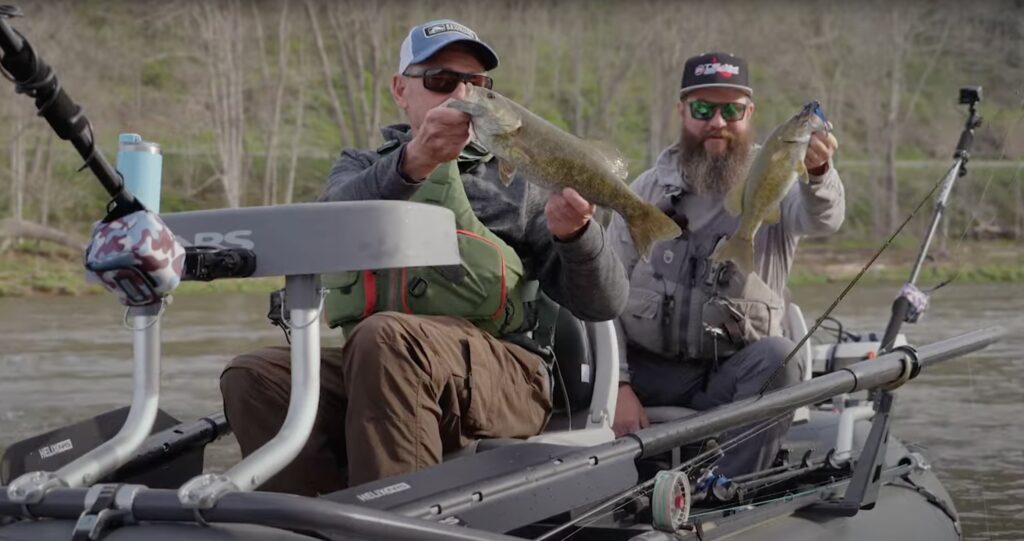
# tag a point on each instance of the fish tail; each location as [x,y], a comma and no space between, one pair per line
[739,251]
[647,224]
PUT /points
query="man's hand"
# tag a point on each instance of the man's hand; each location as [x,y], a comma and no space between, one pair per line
[629,412]
[441,137]
[819,152]
[567,213]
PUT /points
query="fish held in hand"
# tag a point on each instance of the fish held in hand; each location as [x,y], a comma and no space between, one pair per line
[554,159]
[777,166]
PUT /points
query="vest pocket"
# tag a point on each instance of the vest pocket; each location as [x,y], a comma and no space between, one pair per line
[737,311]
[352,295]
[476,290]
[642,321]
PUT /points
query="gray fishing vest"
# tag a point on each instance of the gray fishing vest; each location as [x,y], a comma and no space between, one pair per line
[684,306]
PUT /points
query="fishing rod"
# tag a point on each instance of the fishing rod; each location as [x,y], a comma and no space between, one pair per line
[20,64]
[911,301]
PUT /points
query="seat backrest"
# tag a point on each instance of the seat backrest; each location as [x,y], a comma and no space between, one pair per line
[574,364]
[587,372]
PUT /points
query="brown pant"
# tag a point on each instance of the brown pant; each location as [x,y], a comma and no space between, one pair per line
[401,392]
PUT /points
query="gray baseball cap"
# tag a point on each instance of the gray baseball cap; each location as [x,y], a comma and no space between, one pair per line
[428,38]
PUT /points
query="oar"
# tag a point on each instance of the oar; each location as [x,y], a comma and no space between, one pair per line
[166,459]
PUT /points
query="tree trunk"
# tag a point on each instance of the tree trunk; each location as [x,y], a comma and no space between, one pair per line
[889,194]
[46,183]
[270,166]
[221,33]
[13,228]
[325,65]
[1018,193]
[300,108]
[17,165]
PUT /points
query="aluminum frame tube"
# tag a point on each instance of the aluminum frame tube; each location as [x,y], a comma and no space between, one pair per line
[120,449]
[303,296]
[266,509]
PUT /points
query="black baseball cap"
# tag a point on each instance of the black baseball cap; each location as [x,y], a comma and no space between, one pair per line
[715,70]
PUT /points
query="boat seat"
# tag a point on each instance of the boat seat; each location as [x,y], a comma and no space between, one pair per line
[586,372]
[585,382]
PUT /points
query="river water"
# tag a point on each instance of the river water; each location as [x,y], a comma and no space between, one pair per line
[65,359]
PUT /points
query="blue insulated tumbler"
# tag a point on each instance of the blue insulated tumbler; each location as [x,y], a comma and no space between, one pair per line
[140,163]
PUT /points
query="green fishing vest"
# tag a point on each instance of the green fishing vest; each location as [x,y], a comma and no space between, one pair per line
[485,289]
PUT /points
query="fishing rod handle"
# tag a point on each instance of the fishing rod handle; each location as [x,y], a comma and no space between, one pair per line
[10,42]
[900,309]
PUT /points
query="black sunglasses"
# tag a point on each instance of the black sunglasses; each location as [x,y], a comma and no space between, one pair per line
[445,81]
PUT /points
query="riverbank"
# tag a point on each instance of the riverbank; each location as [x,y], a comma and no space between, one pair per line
[968,262]
[41,269]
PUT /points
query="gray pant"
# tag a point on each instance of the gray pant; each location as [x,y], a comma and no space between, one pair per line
[661,382]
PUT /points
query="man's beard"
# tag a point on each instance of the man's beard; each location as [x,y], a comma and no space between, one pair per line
[715,175]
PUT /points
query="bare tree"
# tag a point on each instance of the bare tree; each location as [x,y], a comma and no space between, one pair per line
[359,29]
[325,65]
[300,113]
[221,36]
[17,168]
[272,127]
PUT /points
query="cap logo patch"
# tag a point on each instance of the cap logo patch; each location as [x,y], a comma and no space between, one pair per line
[725,70]
[441,28]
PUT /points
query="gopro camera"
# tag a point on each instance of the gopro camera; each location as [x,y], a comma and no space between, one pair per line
[969,95]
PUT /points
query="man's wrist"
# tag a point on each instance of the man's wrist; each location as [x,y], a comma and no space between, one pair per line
[819,170]
[575,235]
[413,169]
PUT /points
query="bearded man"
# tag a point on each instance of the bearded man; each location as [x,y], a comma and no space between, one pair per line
[663,332]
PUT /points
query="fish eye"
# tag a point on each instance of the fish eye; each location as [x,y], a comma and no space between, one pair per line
[490,95]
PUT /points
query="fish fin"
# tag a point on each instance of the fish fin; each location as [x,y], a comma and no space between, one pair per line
[734,199]
[648,224]
[801,171]
[738,251]
[618,163]
[774,215]
[506,172]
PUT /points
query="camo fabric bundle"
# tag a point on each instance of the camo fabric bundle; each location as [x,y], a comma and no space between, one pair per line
[136,257]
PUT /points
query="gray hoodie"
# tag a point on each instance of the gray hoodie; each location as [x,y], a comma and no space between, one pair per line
[656,316]
[584,274]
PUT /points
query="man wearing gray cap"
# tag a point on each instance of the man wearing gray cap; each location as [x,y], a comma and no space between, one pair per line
[694,335]
[415,381]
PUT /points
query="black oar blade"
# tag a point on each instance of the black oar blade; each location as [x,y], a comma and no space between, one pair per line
[57,448]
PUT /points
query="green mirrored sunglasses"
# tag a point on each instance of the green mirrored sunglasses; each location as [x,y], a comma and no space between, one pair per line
[705,110]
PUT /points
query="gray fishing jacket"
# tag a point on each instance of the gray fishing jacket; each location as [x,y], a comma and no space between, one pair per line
[583,275]
[656,318]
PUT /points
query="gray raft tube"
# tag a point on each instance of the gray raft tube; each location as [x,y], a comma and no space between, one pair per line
[285,511]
